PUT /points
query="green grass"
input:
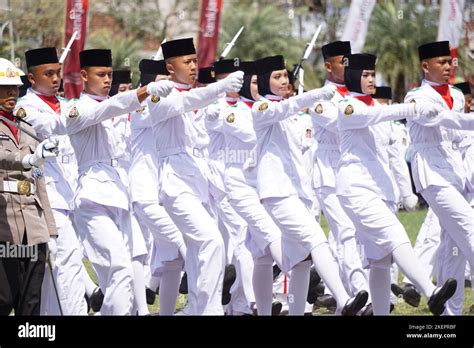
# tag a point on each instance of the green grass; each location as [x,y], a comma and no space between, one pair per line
[411,222]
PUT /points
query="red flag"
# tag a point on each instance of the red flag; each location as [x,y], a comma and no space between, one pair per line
[76,20]
[208,32]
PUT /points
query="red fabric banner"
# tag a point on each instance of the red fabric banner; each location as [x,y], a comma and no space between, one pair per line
[208,32]
[76,20]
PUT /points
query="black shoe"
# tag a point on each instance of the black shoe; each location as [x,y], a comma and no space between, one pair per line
[150,296]
[326,301]
[276,271]
[355,304]
[276,308]
[183,287]
[229,278]
[441,295]
[392,307]
[88,303]
[408,292]
[96,299]
[314,281]
[368,311]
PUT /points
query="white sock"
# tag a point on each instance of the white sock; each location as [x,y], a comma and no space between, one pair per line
[168,292]
[379,283]
[406,259]
[139,288]
[328,270]
[263,287]
[298,289]
[88,283]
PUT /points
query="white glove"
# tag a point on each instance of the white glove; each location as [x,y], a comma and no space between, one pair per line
[232,83]
[409,202]
[161,88]
[323,93]
[45,150]
[428,110]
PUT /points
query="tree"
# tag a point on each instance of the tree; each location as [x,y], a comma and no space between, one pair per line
[395,31]
[36,23]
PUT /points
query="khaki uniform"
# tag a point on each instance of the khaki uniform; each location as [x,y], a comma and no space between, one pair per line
[18,212]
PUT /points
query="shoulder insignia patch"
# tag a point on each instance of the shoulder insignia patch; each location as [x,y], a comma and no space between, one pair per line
[20,113]
[349,110]
[262,107]
[318,109]
[230,118]
[73,113]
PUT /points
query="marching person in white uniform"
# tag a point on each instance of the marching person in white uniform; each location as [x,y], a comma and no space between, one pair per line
[184,185]
[283,186]
[101,200]
[120,133]
[366,188]
[438,168]
[46,113]
[233,227]
[263,238]
[169,243]
[326,158]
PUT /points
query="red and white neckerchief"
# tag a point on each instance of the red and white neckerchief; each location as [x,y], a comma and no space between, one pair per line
[342,89]
[249,102]
[445,93]
[231,101]
[366,99]
[52,101]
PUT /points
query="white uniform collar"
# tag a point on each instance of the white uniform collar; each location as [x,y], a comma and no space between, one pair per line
[431,83]
[272,97]
[182,86]
[38,93]
[231,100]
[95,97]
[327,82]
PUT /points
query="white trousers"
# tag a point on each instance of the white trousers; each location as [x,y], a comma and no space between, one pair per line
[205,256]
[427,244]
[106,237]
[377,227]
[234,232]
[169,241]
[300,231]
[456,218]
[347,247]
[67,267]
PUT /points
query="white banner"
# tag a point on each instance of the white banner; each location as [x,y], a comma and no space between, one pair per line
[357,24]
[450,22]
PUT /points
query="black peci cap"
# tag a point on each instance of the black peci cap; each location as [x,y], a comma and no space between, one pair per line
[360,61]
[434,49]
[227,66]
[153,67]
[336,48]
[206,75]
[269,64]
[176,48]
[40,56]
[465,87]
[121,76]
[96,57]
[248,68]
